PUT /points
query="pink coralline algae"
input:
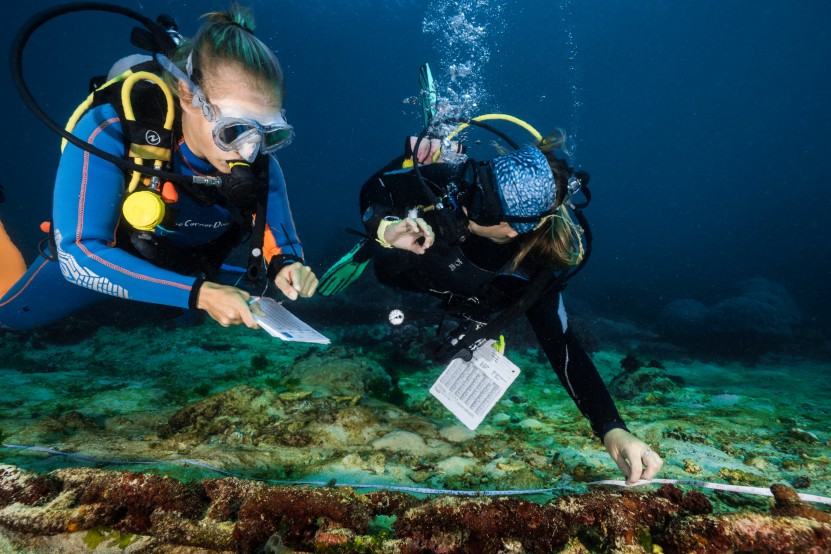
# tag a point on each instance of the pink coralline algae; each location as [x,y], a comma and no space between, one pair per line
[233,515]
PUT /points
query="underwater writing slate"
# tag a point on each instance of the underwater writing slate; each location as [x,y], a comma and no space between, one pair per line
[471,389]
[281,323]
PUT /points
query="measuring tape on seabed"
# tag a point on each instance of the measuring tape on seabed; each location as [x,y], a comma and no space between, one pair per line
[760,491]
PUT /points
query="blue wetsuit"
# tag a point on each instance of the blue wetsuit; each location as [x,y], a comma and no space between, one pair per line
[93,245]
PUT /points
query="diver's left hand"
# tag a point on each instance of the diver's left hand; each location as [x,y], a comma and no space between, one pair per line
[633,456]
[411,233]
[296,280]
[429,150]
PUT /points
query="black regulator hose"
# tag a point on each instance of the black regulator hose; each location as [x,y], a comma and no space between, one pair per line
[451,225]
[16,66]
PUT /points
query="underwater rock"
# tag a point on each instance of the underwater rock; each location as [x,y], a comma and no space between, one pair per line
[456,433]
[748,532]
[234,515]
[481,525]
[200,417]
[26,488]
[631,363]
[629,384]
[691,467]
[455,465]
[56,427]
[84,498]
[788,503]
[337,371]
[297,513]
[411,443]
[802,435]
[626,516]
[749,323]
[531,423]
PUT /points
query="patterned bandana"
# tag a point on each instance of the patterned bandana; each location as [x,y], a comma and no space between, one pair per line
[525,184]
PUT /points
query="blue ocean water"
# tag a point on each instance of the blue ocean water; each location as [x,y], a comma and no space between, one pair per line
[705,126]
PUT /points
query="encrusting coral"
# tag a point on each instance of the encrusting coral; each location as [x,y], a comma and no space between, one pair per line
[233,515]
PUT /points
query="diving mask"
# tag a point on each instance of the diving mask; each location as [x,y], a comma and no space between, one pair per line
[480,194]
[233,133]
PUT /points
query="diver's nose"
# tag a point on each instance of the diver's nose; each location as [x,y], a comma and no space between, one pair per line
[249,150]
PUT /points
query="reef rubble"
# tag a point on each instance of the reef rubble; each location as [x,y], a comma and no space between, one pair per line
[143,512]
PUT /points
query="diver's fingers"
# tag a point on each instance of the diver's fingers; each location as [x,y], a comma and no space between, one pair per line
[309,282]
[416,247]
[255,307]
[424,227]
[284,283]
[399,229]
[302,279]
[248,318]
[429,236]
[409,226]
[427,149]
[312,288]
[622,465]
[653,464]
[635,469]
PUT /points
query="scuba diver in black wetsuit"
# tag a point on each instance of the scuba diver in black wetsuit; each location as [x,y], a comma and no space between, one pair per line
[490,238]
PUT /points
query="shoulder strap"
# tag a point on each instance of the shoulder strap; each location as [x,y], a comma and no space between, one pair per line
[147,111]
[256,264]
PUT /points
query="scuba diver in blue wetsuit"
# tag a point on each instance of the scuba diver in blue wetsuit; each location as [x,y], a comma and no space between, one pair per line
[493,240]
[170,165]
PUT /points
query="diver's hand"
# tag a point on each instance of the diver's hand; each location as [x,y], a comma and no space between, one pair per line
[634,458]
[429,150]
[296,279]
[227,305]
[413,234]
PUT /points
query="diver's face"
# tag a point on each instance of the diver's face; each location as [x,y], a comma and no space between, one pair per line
[239,102]
[500,234]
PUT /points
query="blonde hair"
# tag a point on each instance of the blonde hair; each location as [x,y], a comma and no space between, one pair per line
[557,243]
[223,47]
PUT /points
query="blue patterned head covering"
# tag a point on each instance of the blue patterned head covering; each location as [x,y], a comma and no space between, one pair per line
[525,184]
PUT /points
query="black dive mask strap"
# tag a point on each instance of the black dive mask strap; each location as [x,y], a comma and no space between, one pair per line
[483,204]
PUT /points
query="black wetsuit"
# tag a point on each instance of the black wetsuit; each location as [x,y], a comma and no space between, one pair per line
[473,271]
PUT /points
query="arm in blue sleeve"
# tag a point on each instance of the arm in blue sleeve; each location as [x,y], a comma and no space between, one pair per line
[279,218]
[86,211]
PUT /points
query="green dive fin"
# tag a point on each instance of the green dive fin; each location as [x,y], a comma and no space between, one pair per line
[346,270]
[428,93]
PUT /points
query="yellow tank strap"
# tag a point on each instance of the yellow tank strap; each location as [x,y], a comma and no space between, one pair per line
[140,153]
[84,106]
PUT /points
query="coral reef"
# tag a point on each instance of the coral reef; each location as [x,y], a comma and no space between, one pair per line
[753,322]
[360,412]
[232,515]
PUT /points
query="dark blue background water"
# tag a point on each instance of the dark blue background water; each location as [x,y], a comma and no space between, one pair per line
[705,126]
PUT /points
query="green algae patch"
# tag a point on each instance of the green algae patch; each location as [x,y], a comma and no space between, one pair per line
[98,535]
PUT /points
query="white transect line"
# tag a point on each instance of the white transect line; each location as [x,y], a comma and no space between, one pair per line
[760,491]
